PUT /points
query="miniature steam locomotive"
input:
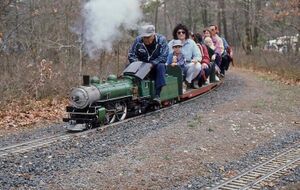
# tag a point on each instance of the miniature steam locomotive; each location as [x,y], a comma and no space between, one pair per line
[98,102]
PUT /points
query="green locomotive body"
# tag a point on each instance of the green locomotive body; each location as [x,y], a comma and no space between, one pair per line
[114,88]
[100,102]
[95,103]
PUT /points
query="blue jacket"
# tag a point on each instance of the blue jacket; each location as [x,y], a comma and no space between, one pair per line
[190,50]
[180,59]
[138,51]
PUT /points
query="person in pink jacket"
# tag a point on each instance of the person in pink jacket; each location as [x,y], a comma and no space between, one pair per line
[217,40]
[207,64]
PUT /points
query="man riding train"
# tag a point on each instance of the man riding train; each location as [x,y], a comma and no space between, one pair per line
[150,47]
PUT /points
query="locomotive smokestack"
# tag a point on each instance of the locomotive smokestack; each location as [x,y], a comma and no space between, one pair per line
[86,80]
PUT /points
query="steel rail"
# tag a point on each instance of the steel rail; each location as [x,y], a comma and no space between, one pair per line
[25,146]
[41,142]
[264,172]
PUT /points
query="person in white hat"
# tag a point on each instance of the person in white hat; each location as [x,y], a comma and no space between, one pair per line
[176,57]
[151,47]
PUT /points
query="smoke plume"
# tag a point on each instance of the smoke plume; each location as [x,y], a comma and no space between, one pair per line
[103,20]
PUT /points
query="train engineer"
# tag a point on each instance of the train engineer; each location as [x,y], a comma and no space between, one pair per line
[151,47]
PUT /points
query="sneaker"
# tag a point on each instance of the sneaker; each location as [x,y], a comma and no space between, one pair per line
[184,87]
[222,72]
[217,69]
[207,82]
[217,79]
[188,85]
[157,100]
[195,84]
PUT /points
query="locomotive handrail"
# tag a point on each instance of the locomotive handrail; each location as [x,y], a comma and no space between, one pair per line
[112,99]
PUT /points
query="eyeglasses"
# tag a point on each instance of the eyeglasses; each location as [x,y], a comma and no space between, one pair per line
[181,32]
[212,29]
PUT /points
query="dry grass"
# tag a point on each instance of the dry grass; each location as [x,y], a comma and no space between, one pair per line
[285,66]
[47,80]
[33,93]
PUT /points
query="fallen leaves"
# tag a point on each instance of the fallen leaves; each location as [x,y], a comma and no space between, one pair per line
[267,184]
[230,174]
[23,113]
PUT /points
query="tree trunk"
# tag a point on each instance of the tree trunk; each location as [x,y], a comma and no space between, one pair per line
[256,17]
[17,19]
[156,14]
[248,38]
[33,47]
[68,9]
[204,15]
[219,16]
[165,20]
[190,16]
[224,22]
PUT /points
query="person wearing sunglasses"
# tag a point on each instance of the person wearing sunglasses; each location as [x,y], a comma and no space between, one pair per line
[150,47]
[206,33]
[218,42]
[191,53]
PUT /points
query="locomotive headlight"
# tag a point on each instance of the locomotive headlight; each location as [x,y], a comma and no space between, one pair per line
[83,96]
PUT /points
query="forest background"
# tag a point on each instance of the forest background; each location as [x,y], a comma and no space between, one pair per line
[43,53]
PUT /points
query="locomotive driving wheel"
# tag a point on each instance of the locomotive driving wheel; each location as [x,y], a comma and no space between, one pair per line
[110,113]
[115,112]
[120,111]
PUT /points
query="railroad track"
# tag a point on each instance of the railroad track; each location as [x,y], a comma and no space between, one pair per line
[42,142]
[264,173]
[26,146]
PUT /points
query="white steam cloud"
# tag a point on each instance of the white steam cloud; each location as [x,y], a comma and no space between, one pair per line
[103,20]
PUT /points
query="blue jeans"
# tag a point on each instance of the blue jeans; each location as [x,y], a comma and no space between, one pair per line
[158,73]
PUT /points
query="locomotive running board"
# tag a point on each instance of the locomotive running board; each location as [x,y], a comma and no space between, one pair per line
[196,92]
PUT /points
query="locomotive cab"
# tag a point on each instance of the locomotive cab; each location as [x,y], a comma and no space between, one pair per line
[141,70]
